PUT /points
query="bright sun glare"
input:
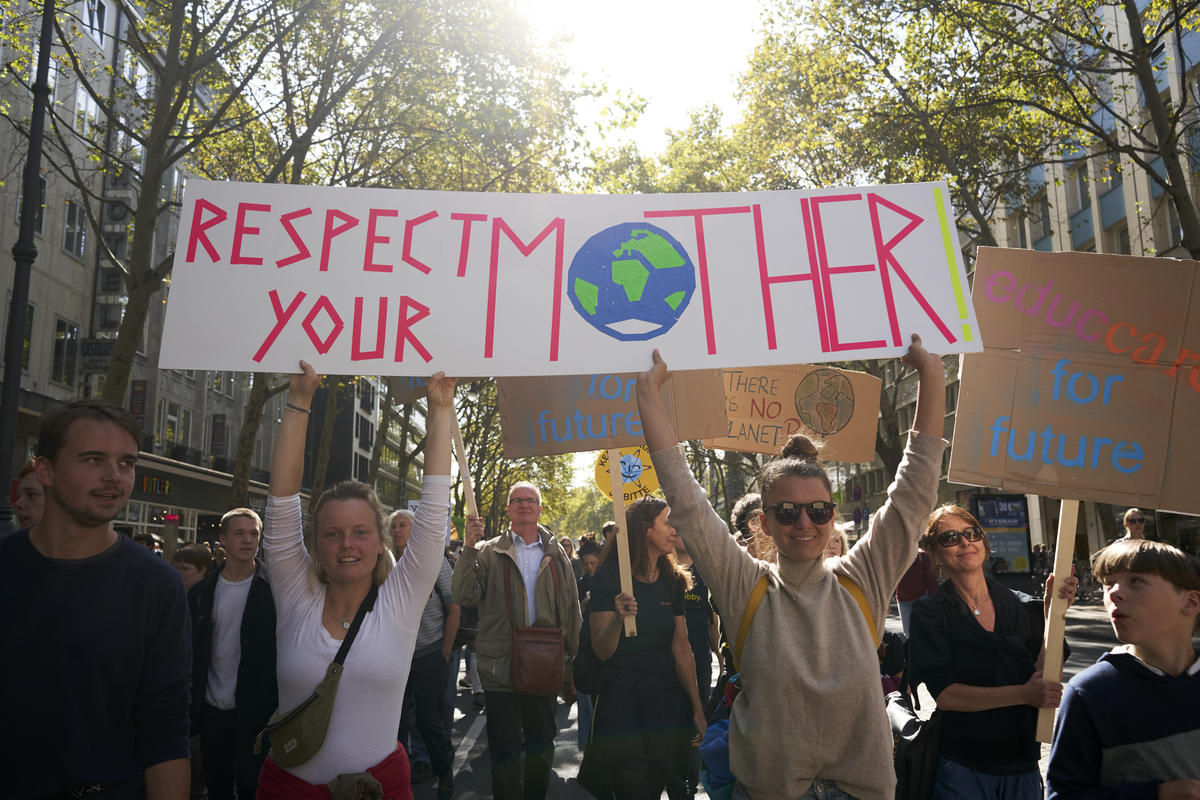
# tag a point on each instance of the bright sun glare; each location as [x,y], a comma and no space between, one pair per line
[678,54]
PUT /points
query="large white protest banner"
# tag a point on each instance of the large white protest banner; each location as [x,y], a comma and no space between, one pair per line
[389,282]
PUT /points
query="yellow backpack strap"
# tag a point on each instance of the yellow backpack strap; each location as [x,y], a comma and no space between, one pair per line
[756,596]
[860,598]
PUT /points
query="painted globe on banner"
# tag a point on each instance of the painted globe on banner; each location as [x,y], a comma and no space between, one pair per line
[825,401]
[631,281]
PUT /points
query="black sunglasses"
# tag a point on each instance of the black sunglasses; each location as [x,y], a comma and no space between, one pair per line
[1136,520]
[952,538]
[819,512]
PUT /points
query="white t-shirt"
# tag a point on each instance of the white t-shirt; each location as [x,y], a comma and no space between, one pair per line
[229,602]
[366,709]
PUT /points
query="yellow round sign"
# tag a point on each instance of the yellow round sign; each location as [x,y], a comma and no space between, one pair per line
[637,473]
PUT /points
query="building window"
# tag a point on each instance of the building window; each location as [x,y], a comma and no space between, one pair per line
[1123,245]
[170,425]
[185,427]
[222,383]
[96,12]
[66,353]
[87,112]
[51,76]
[75,229]
[138,76]
[1078,197]
[362,466]
[1039,220]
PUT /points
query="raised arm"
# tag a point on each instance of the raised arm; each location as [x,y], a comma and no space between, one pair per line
[655,424]
[729,570]
[931,388]
[437,424]
[287,459]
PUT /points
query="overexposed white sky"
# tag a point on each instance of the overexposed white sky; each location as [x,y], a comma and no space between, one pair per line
[678,54]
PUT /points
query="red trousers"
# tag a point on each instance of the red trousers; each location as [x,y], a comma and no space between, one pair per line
[276,783]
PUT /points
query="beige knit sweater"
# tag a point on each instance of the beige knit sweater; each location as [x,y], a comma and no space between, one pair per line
[811,704]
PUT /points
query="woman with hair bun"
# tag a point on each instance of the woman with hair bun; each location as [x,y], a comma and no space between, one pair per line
[809,721]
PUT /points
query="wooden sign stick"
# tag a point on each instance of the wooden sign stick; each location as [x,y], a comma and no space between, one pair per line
[1056,621]
[460,453]
[618,498]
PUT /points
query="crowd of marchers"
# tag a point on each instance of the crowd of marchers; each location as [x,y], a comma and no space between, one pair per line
[318,656]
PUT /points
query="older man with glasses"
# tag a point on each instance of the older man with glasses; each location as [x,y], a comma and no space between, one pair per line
[526,570]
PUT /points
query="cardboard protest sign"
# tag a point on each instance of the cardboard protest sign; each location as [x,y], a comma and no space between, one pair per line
[580,413]
[1089,388]
[389,282]
[766,405]
[638,478]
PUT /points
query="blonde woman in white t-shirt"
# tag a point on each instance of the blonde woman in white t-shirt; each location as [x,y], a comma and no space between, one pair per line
[317,595]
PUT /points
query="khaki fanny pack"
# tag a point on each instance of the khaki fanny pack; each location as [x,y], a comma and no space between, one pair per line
[297,735]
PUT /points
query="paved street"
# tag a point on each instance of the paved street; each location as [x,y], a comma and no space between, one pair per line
[1088,633]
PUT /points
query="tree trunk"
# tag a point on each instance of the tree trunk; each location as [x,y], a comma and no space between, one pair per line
[243,458]
[385,420]
[129,336]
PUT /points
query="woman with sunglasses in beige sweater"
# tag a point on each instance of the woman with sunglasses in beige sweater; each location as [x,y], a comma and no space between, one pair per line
[809,721]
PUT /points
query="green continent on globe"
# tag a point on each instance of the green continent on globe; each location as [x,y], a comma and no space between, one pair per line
[658,251]
[588,294]
[631,276]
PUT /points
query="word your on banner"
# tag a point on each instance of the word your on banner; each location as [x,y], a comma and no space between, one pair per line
[580,413]
[1089,388]
[638,477]
[389,282]
[766,405]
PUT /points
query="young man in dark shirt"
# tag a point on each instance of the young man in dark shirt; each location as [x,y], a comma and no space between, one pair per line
[94,685]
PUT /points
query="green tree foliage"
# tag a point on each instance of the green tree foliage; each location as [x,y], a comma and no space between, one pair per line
[1099,72]
[416,95]
[491,473]
[584,509]
[847,93]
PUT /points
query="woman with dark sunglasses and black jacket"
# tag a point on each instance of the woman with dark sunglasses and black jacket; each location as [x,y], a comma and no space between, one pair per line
[809,720]
[977,646]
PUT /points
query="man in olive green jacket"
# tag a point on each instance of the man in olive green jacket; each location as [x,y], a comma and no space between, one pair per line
[543,594]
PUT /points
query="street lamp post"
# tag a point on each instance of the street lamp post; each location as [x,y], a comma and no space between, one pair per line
[24,254]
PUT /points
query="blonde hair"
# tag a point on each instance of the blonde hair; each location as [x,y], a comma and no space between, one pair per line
[353,490]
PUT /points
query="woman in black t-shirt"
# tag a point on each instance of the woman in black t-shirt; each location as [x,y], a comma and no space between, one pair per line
[648,710]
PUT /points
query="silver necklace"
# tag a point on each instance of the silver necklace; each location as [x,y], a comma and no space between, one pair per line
[346,622]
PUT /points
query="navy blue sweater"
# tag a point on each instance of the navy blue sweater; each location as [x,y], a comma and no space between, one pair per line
[97,662]
[1123,728]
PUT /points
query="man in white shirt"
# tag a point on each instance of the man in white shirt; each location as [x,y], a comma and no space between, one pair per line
[543,594]
[233,671]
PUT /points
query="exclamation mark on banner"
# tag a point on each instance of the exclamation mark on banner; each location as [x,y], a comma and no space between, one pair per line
[949,244]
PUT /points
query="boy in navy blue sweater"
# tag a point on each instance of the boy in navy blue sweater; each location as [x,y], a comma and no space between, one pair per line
[1129,726]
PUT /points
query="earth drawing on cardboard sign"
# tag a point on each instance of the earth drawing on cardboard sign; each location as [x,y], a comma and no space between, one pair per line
[825,401]
[631,281]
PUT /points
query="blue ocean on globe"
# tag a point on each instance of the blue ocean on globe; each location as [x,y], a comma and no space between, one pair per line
[631,281]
